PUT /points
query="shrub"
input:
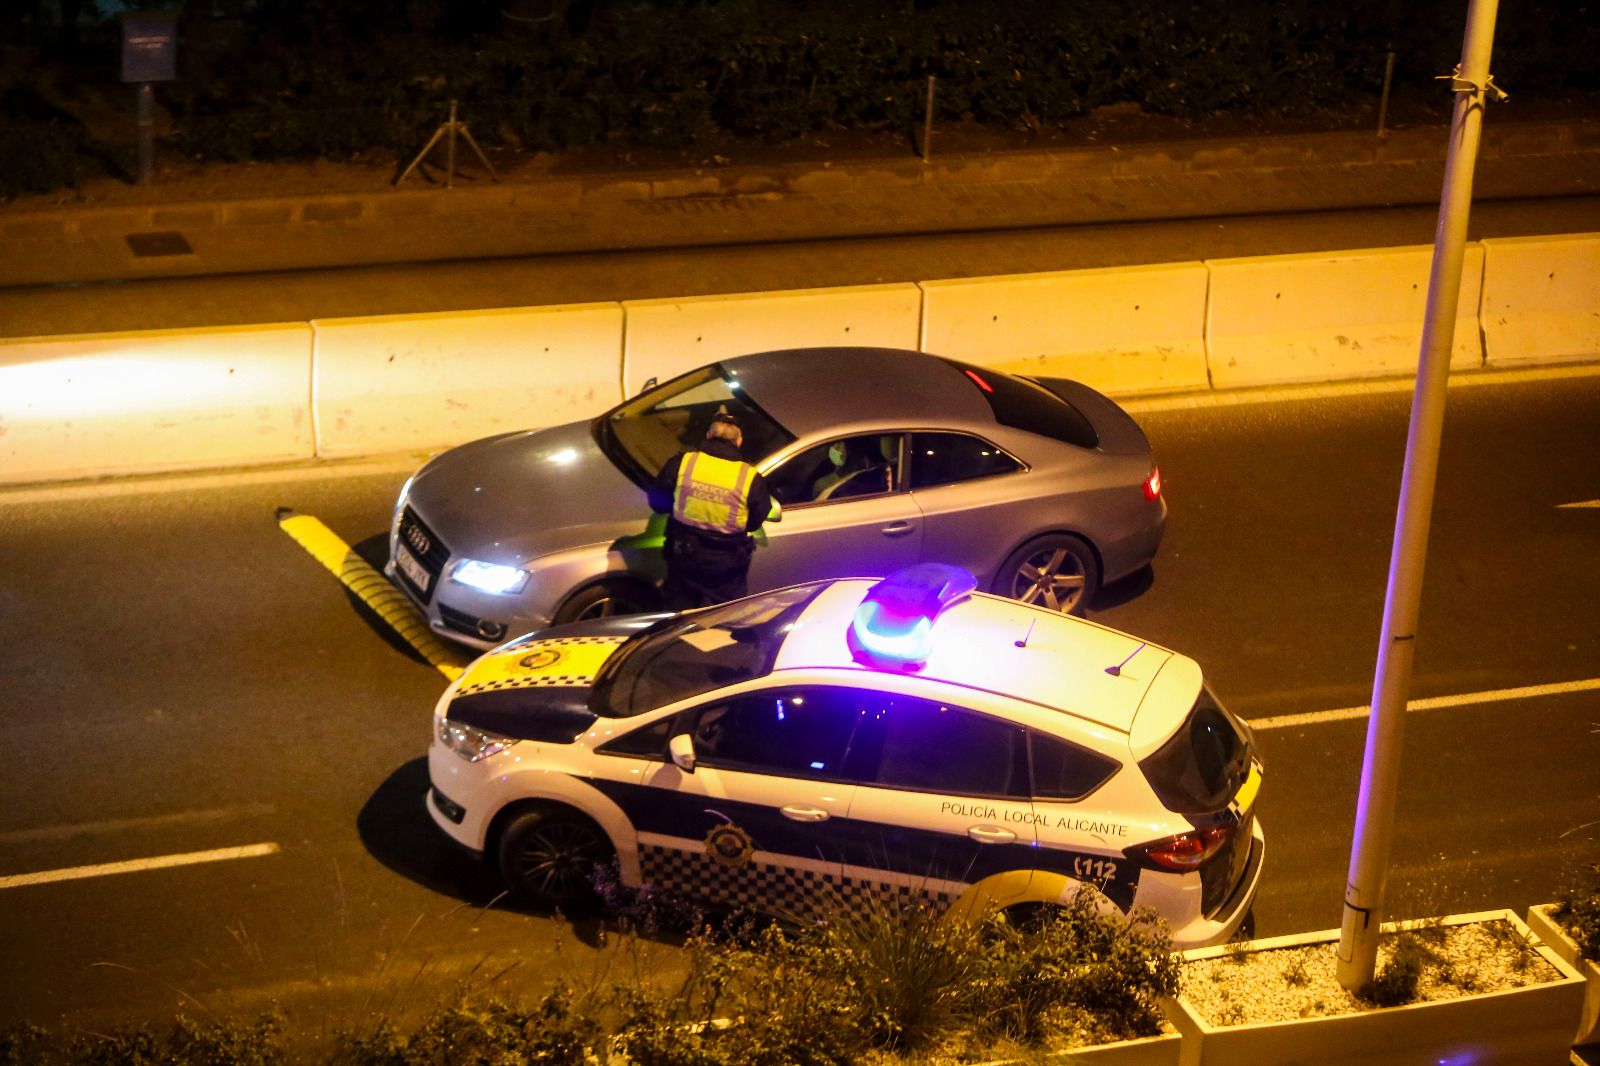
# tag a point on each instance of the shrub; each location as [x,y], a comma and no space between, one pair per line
[1578,908]
[1396,980]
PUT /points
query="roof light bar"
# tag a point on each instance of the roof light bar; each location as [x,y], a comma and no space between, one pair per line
[894,624]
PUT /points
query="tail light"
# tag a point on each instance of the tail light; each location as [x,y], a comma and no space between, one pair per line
[1152,485]
[1184,852]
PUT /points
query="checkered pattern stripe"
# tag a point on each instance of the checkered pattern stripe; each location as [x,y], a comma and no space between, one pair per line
[569,642]
[787,891]
[532,681]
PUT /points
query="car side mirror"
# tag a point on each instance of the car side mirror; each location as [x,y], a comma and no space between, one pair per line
[649,383]
[681,748]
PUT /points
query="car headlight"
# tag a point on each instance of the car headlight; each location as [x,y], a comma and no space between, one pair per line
[473,745]
[490,577]
[400,502]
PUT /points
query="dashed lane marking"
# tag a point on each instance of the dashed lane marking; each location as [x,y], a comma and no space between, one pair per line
[1432,703]
[357,575]
[209,816]
[158,862]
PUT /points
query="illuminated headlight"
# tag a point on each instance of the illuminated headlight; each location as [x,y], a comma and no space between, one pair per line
[490,577]
[473,745]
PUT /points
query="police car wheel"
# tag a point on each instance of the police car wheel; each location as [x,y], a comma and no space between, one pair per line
[548,857]
[1058,571]
[604,600]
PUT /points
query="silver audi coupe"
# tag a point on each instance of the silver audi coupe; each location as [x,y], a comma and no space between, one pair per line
[880,458]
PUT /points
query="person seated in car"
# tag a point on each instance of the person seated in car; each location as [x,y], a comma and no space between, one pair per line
[852,472]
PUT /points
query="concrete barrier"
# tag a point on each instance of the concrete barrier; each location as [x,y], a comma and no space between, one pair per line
[395,382]
[1541,299]
[667,337]
[1327,316]
[1125,330]
[140,402]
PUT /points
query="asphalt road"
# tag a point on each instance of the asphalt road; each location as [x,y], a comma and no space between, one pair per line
[178,676]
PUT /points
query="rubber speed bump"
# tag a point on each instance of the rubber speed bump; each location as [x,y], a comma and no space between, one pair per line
[374,590]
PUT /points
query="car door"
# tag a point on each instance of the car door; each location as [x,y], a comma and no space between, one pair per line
[972,498]
[942,801]
[861,524]
[753,823]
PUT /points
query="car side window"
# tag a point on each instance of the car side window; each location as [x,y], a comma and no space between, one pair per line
[935,747]
[945,458]
[788,732]
[647,743]
[864,465]
[1062,770]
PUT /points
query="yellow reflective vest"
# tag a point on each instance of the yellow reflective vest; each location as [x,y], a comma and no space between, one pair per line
[713,494]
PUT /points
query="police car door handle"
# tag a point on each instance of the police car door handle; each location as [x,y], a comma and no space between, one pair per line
[804,814]
[987,834]
[896,529]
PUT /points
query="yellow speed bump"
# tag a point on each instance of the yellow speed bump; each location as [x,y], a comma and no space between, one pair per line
[357,575]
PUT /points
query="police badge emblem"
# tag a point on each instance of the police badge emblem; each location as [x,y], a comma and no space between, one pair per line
[728,845]
[540,659]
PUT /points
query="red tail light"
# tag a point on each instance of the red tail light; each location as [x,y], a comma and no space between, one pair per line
[1186,851]
[1152,485]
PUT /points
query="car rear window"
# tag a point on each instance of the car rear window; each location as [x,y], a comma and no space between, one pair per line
[1031,408]
[1202,765]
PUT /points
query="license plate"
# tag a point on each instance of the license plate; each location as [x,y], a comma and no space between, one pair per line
[413,570]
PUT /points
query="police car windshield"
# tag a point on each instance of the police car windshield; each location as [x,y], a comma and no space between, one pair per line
[706,650]
[641,434]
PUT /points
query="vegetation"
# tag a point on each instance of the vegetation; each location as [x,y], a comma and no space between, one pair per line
[893,981]
[277,79]
[1578,908]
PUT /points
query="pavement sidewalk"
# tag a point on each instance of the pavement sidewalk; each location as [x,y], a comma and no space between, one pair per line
[52,244]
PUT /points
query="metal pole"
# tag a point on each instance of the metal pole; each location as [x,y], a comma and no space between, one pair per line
[927,123]
[1383,101]
[450,151]
[1374,828]
[147,125]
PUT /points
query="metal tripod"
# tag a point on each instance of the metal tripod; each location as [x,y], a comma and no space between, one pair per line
[449,131]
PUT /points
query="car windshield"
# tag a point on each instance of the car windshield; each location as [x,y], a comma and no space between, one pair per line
[641,434]
[701,651]
[1202,765]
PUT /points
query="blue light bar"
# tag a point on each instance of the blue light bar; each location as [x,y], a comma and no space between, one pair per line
[894,623]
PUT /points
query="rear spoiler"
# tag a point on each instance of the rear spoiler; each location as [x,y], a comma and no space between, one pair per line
[1119,433]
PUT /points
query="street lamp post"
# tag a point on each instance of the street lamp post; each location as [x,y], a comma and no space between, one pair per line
[1374,828]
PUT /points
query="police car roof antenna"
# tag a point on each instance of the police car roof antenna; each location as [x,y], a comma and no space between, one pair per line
[1023,643]
[1116,671]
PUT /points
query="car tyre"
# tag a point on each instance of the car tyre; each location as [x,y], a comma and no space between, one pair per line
[548,857]
[605,599]
[1058,571]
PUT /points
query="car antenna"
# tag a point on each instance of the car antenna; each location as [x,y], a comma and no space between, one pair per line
[1116,671]
[1023,643]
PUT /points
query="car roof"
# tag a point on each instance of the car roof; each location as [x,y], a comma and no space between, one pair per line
[810,390]
[998,645]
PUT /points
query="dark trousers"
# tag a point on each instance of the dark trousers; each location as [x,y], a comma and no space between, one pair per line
[705,569]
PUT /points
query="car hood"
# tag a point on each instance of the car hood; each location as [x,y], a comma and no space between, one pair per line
[518,496]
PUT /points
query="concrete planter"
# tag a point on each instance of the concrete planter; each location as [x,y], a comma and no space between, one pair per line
[1520,1027]
[1555,937]
[1161,1050]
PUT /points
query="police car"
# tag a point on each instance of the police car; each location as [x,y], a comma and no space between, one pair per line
[908,736]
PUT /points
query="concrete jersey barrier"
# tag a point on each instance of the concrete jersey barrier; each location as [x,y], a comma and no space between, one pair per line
[1327,316]
[154,400]
[1541,299]
[395,382]
[1125,330]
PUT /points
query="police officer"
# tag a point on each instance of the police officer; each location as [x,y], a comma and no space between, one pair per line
[714,500]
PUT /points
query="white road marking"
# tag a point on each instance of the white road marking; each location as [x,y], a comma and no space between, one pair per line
[1581,503]
[121,825]
[1373,387]
[1432,703]
[159,862]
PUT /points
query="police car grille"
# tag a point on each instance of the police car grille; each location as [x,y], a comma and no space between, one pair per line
[432,553]
[1219,876]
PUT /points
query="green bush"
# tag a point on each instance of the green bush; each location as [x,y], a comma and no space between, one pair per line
[1395,983]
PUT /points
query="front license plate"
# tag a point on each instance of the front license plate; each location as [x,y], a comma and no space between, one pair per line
[411,568]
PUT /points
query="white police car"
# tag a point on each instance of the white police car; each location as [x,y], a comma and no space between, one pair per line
[907,736]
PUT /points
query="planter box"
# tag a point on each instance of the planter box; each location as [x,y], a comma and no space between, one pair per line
[1555,937]
[1519,1027]
[1161,1050]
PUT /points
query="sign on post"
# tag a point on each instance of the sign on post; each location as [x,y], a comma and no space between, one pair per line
[149,54]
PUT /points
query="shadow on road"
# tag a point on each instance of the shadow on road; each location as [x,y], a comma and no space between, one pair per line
[1129,588]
